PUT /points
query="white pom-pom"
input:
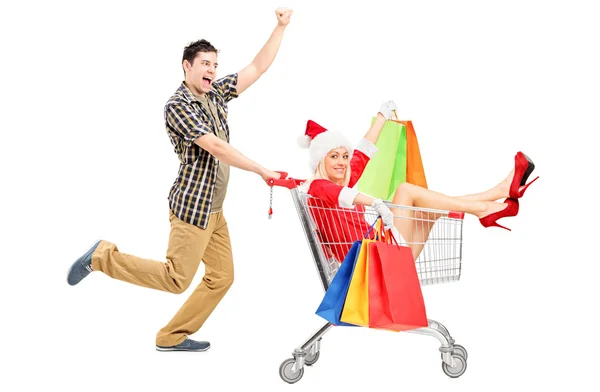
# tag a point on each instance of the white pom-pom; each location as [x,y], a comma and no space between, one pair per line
[304,141]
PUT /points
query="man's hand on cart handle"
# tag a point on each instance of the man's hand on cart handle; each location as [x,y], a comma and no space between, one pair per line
[269,175]
[284,181]
[283,175]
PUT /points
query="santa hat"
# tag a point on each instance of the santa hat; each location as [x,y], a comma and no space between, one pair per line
[320,141]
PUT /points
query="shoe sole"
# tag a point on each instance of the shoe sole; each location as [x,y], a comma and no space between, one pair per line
[81,257]
[166,349]
[528,171]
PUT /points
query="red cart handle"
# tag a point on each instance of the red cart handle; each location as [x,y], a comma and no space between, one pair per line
[283,181]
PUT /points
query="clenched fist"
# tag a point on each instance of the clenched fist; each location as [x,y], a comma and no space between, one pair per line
[283,16]
[387,109]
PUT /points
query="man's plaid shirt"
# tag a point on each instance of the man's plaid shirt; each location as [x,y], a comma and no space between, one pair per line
[190,197]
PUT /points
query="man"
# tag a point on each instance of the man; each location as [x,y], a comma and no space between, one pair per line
[196,122]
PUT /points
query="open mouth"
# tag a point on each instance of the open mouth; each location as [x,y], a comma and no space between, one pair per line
[339,170]
[206,81]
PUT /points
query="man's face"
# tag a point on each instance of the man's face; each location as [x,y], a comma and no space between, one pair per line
[201,74]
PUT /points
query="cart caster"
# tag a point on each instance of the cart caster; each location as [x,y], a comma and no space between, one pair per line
[311,359]
[287,373]
[460,350]
[458,370]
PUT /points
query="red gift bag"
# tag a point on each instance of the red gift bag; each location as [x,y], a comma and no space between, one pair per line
[395,299]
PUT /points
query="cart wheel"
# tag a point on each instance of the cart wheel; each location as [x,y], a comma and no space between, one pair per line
[460,350]
[454,372]
[311,359]
[287,374]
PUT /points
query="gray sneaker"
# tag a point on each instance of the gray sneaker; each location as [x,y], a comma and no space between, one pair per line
[187,345]
[82,266]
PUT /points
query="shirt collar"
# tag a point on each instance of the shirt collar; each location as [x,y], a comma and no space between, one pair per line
[188,95]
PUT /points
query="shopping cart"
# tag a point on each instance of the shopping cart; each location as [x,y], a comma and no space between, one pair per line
[330,237]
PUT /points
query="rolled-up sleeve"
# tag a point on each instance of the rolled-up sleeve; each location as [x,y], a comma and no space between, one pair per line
[184,121]
[227,87]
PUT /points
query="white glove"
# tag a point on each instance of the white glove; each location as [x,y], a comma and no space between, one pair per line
[387,108]
[384,212]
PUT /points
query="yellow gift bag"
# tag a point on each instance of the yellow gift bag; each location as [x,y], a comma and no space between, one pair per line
[356,306]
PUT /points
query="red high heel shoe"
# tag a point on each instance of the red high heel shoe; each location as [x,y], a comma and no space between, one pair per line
[512,209]
[523,168]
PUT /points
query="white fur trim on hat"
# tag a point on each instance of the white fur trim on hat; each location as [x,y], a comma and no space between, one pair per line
[325,142]
[304,141]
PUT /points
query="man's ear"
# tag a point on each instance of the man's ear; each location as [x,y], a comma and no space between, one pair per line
[186,65]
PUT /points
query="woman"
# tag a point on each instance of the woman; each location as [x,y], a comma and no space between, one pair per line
[337,167]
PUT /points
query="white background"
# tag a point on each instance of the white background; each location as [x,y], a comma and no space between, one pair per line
[85,156]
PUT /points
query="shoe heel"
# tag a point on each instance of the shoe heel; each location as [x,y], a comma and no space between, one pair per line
[488,223]
[524,187]
[496,224]
[512,209]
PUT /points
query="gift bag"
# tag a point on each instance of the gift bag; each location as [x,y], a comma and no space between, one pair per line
[398,160]
[415,172]
[395,299]
[387,169]
[356,306]
[333,301]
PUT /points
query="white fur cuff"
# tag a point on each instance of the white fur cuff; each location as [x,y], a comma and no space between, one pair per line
[368,148]
[346,198]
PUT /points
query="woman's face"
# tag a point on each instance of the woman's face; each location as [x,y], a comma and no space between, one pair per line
[336,164]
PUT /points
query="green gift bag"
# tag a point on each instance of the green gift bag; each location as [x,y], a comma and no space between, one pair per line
[387,169]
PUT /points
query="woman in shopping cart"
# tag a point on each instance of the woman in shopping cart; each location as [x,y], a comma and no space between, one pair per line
[337,167]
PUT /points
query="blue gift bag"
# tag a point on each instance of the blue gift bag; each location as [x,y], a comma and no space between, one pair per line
[335,296]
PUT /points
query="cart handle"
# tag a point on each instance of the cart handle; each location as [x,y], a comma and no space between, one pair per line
[283,181]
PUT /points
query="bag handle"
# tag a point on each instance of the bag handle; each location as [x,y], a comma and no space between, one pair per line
[397,120]
[370,228]
[382,235]
[394,117]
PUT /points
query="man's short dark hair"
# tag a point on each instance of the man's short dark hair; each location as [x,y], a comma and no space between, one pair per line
[190,51]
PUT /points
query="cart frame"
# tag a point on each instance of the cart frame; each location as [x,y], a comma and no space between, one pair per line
[454,356]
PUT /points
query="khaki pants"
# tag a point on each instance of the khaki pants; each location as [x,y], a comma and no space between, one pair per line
[188,245]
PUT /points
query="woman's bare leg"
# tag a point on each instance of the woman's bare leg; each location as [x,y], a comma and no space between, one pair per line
[499,191]
[415,226]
